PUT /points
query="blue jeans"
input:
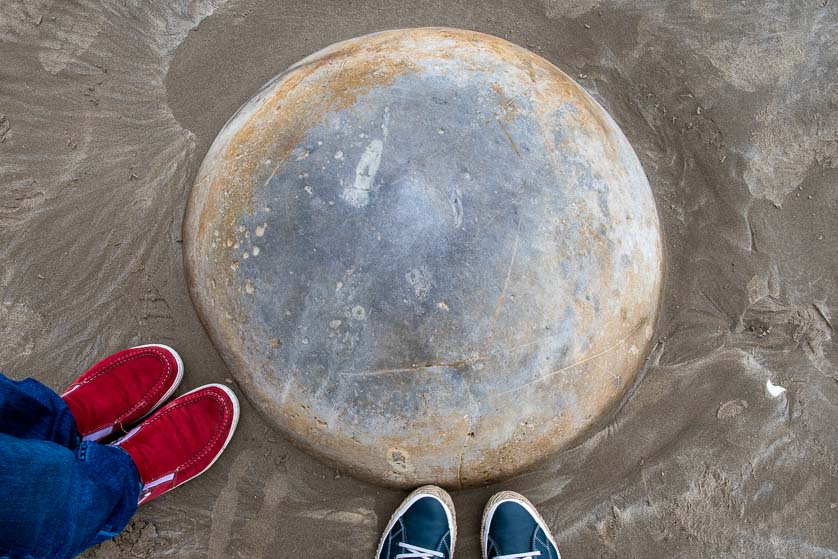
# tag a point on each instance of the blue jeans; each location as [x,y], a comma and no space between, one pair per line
[58,494]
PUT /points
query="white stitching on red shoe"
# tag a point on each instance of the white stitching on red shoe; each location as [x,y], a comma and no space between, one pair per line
[215,436]
[143,400]
[160,382]
[216,433]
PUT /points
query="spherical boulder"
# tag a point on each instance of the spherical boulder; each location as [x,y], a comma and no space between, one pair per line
[427,256]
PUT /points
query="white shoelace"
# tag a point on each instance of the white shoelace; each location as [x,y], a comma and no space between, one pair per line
[519,555]
[414,552]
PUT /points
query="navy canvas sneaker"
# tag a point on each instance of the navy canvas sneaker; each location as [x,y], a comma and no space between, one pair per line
[513,529]
[423,527]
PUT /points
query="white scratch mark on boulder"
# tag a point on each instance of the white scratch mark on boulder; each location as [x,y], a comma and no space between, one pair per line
[358,193]
[385,123]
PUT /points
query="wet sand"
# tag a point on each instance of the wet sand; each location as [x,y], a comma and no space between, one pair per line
[732,108]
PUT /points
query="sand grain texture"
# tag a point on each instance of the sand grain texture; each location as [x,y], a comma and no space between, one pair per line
[106,110]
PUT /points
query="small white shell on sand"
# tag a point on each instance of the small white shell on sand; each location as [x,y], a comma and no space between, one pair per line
[773,390]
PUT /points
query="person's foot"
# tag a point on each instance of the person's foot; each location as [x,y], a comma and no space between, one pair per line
[423,527]
[513,529]
[122,389]
[182,439]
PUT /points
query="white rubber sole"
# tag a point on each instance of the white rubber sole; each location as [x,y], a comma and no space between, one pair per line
[433,492]
[505,497]
[233,426]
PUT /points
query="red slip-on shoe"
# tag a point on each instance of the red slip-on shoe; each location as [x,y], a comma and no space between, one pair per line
[182,439]
[123,389]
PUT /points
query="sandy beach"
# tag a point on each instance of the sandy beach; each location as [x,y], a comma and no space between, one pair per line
[725,447]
